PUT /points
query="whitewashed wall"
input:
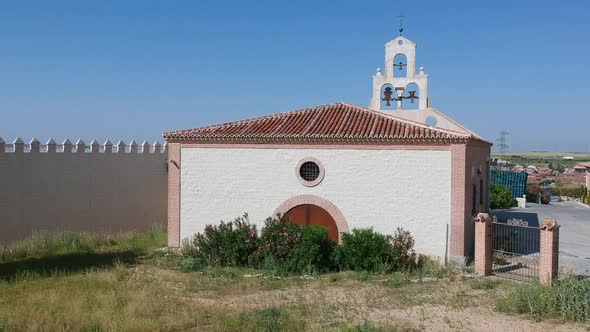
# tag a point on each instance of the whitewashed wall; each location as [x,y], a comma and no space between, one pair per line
[81,191]
[385,189]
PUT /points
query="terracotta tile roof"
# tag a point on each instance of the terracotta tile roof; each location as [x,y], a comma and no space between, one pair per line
[323,124]
[582,165]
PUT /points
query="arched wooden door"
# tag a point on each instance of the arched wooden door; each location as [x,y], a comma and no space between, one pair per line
[309,214]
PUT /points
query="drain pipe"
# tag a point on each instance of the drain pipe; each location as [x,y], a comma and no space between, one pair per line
[447,247]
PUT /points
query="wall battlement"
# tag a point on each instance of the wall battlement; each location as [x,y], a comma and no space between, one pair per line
[18,146]
[81,187]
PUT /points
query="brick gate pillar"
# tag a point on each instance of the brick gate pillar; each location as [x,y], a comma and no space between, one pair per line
[483,244]
[549,252]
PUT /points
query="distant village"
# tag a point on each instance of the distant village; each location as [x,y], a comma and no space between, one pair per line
[554,172]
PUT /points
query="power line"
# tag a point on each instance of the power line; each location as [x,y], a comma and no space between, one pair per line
[502,146]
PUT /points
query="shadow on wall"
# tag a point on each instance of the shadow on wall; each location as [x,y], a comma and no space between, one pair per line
[64,264]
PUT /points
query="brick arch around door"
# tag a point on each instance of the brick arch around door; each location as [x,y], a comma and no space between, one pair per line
[314,210]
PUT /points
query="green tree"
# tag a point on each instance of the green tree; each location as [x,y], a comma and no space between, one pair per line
[501,197]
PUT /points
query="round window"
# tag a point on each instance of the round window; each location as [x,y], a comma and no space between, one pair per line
[431,121]
[309,171]
[400,42]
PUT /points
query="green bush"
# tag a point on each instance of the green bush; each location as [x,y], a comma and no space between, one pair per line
[286,247]
[314,251]
[228,244]
[501,197]
[365,249]
[283,246]
[567,299]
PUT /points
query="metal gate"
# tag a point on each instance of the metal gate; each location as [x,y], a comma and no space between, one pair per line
[516,251]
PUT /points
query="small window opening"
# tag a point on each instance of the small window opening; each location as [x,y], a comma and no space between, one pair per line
[309,171]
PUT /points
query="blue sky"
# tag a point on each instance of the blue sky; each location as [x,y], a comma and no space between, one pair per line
[133,69]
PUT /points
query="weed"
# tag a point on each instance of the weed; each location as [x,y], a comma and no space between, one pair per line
[188,264]
[483,283]
[432,268]
[266,320]
[92,327]
[361,275]
[3,324]
[120,271]
[221,272]
[334,277]
[398,279]
[567,299]
[45,254]
[46,244]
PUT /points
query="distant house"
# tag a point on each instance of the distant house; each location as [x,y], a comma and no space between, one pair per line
[568,158]
[582,167]
[585,168]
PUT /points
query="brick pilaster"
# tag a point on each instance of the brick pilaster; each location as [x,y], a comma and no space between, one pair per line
[549,252]
[174,195]
[483,244]
[458,206]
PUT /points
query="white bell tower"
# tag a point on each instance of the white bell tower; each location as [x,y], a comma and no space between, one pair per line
[392,90]
[399,95]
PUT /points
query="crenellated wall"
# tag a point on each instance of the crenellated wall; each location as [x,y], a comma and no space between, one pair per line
[79,187]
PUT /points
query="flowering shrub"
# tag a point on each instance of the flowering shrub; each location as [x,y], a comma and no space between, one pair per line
[403,255]
[284,246]
[228,244]
[278,240]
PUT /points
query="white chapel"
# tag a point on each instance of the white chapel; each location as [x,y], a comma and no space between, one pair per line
[396,163]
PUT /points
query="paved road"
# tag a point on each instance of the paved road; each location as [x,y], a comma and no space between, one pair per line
[574,236]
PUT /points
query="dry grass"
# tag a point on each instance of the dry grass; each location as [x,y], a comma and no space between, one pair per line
[150,293]
[148,297]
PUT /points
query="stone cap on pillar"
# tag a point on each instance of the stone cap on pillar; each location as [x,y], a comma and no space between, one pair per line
[549,224]
[483,217]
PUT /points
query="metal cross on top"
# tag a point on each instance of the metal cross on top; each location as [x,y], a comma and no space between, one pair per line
[401,23]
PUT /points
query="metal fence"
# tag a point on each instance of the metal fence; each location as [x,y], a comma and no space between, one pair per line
[516,251]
